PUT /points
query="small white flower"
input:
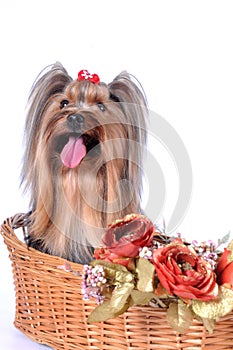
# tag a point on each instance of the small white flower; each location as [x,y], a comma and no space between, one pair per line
[145,253]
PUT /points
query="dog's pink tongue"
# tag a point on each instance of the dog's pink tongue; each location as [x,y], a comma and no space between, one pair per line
[73,152]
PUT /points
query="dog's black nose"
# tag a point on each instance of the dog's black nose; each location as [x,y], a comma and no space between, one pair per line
[75,120]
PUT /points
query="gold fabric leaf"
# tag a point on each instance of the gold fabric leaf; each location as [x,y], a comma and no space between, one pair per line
[118,304]
[116,273]
[213,309]
[179,316]
[105,312]
[230,247]
[120,295]
[208,324]
[141,298]
[145,272]
[101,313]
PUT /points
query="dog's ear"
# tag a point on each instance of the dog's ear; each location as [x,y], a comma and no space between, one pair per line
[52,80]
[126,88]
[127,91]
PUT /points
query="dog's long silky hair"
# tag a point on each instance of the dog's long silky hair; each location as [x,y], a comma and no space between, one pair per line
[72,205]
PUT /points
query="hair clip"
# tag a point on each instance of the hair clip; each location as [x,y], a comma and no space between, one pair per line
[85,75]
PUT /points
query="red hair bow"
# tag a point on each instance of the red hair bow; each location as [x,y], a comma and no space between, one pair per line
[85,75]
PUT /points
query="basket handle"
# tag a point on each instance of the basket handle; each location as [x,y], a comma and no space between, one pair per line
[12,223]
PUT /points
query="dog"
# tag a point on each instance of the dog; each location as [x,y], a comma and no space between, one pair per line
[83,159]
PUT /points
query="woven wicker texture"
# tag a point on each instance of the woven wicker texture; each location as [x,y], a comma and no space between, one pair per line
[50,309]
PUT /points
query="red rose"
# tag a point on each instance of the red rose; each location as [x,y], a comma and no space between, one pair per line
[106,255]
[125,237]
[183,273]
[224,268]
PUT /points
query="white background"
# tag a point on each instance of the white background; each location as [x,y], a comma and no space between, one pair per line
[181,52]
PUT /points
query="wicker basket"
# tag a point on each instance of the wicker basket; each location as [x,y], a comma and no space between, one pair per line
[50,309]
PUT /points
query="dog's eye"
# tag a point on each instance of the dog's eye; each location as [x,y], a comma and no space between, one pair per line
[64,103]
[101,106]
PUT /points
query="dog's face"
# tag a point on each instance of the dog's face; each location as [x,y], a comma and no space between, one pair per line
[83,155]
[78,122]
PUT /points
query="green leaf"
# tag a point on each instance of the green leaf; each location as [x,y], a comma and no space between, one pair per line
[146,271]
[214,309]
[179,316]
[141,298]
[225,238]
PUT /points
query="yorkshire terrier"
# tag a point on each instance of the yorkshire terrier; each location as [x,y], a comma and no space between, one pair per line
[84,145]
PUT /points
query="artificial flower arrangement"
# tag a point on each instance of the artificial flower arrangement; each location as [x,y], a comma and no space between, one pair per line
[139,265]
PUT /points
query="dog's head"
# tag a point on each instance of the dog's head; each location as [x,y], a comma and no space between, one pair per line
[74,122]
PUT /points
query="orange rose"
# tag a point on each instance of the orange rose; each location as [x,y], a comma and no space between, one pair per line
[183,273]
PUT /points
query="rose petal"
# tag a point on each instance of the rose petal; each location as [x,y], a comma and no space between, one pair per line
[223,261]
[227,275]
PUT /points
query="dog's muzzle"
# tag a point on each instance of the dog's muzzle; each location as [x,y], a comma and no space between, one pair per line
[75,122]
[74,145]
